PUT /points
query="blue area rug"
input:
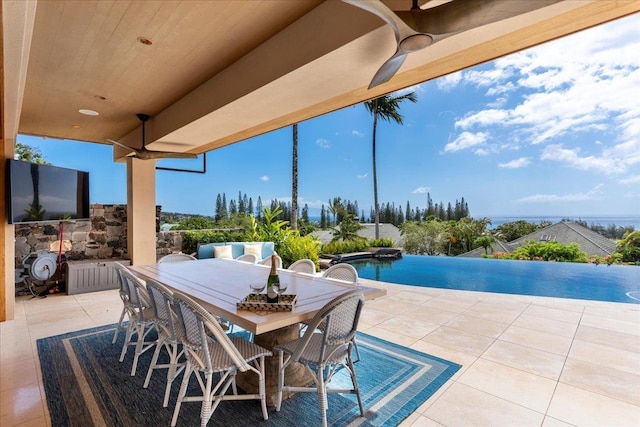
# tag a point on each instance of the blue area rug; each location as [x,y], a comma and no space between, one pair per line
[87,386]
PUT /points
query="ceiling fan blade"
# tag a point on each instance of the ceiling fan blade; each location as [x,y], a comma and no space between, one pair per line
[408,39]
[146,154]
[388,69]
[150,154]
[461,15]
[400,28]
[418,28]
[135,150]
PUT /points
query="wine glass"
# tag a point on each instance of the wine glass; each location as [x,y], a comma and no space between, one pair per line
[257,287]
[280,289]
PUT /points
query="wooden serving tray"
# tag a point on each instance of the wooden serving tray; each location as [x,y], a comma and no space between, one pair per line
[258,302]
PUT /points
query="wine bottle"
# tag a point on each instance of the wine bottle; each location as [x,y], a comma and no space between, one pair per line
[273,280]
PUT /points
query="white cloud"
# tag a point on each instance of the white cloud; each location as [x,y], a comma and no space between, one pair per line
[631,180]
[421,190]
[502,89]
[483,118]
[607,162]
[357,133]
[481,152]
[516,164]
[323,143]
[449,81]
[498,103]
[594,194]
[466,140]
[362,176]
[568,89]
[264,178]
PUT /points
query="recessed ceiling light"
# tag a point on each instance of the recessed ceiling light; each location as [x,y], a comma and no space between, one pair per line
[145,40]
[88,112]
[76,126]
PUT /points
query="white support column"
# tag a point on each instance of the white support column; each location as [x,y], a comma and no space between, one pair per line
[141,211]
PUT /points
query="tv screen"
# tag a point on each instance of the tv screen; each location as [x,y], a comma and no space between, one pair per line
[38,192]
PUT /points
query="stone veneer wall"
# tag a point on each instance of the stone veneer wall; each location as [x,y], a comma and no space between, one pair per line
[102,237]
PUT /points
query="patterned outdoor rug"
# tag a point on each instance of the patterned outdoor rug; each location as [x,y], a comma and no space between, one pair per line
[87,386]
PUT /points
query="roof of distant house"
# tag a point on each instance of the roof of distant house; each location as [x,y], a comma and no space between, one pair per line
[564,232]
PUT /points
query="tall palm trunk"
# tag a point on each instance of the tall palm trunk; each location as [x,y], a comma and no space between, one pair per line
[294,180]
[375,180]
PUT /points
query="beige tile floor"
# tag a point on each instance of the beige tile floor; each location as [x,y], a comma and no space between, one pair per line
[527,361]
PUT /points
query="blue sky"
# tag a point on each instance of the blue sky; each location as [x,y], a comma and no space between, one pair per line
[554,130]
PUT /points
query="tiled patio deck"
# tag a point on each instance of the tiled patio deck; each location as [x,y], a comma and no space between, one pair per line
[527,361]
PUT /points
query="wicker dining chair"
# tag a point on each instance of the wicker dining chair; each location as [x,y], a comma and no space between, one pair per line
[303,266]
[327,350]
[142,317]
[210,351]
[342,271]
[250,258]
[125,301]
[267,261]
[161,299]
[347,273]
[178,257]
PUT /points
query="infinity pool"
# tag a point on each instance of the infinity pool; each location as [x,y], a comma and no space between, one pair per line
[615,283]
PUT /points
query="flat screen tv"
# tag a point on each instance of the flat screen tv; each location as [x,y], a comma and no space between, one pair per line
[37,193]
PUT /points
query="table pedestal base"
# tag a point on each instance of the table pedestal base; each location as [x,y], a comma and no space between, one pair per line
[294,375]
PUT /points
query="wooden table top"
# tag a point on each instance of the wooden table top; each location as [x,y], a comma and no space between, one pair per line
[218,284]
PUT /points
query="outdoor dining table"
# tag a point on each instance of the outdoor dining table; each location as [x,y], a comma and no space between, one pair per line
[219,284]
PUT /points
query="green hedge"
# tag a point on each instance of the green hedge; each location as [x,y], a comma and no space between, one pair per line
[343,247]
[383,242]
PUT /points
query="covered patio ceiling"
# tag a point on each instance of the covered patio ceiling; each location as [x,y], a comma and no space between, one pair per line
[211,73]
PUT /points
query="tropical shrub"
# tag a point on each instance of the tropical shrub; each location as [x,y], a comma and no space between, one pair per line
[298,247]
[271,229]
[614,258]
[383,242]
[348,229]
[629,247]
[485,241]
[426,238]
[546,251]
[515,229]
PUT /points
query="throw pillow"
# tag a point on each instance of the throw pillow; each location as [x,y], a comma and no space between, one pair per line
[222,252]
[255,249]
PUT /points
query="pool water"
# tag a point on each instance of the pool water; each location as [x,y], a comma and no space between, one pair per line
[615,283]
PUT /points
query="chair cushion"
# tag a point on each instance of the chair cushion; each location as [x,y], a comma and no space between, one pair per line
[223,252]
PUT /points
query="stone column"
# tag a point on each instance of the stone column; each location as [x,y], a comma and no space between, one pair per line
[141,211]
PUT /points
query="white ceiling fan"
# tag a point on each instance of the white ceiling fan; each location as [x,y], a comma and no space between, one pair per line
[146,154]
[419,28]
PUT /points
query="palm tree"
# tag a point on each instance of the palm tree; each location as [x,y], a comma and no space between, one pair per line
[294,180]
[386,108]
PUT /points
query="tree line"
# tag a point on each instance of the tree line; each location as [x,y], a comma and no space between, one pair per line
[331,214]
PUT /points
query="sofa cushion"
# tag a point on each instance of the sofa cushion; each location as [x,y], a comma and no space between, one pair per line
[237,249]
[206,250]
[268,248]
